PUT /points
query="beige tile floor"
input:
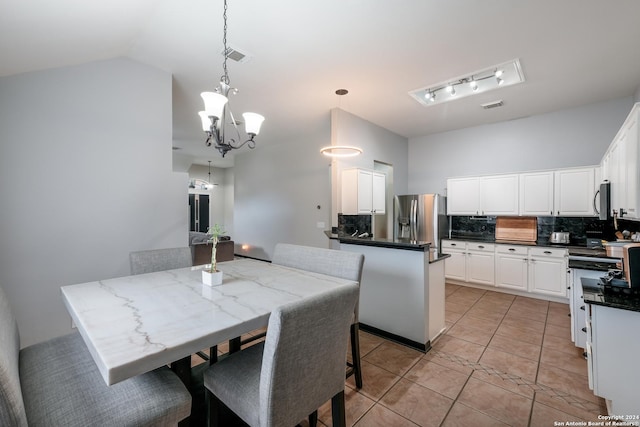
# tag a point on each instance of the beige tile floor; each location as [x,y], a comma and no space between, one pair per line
[504,360]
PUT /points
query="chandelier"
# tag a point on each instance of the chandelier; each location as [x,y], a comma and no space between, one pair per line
[217,115]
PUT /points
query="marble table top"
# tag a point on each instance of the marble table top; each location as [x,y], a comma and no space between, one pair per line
[135,324]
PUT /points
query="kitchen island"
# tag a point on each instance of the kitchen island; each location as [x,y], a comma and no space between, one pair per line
[402,294]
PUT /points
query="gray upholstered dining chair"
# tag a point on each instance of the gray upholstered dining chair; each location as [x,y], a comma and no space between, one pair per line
[160,259]
[299,366]
[346,265]
[57,383]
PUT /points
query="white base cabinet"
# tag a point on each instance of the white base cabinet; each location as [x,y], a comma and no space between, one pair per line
[520,269]
[548,271]
[511,267]
[470,261]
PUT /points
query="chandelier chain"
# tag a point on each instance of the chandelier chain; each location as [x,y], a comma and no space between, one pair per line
[225,77]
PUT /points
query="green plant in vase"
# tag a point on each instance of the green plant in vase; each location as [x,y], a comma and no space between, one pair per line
[215,232]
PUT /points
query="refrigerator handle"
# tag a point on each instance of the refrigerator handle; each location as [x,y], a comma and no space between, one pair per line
[414,219]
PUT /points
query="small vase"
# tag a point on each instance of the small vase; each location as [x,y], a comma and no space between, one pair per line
[211,279]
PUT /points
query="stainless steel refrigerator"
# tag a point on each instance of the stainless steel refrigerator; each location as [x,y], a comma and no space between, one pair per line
[420,217]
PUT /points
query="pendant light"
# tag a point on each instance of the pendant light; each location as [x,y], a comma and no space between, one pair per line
[341,150]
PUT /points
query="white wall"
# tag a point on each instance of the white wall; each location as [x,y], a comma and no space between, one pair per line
[378,144]
[85,178]
[573,137]
[278,189]
[276,194]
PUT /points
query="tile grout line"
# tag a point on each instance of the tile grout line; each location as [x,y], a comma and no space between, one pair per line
[571,400]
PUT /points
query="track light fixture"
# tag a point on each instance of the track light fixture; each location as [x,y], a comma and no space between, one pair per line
[505,74]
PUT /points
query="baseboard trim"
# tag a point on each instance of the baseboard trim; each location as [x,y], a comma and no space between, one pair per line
[423,347]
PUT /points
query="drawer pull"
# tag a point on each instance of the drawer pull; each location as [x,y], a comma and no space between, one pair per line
[480,246]
[548,252]
[584,329]
[512,250]
[453,244]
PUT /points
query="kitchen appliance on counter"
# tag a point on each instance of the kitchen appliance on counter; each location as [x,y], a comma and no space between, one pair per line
[559,237]
[420,217]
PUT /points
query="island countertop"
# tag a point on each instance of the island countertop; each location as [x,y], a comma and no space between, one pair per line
[380,242]
[405,244]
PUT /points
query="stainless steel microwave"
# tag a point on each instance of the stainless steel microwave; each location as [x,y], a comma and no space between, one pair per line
[603,207]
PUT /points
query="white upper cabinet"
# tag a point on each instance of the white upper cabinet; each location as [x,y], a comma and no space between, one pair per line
[574,191]
[619,166]
[463,196]
[563,192]
[487,195]
[363,192]
[378,197]
[499,195]
[536,194]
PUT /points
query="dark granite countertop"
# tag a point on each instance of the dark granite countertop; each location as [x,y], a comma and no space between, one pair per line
[573,250]
[623,298]
[390,243]
[380,242]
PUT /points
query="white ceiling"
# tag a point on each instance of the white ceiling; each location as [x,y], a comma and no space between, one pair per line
[572,52]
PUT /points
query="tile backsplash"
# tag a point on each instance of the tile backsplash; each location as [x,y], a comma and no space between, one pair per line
[349,224]
[579,228]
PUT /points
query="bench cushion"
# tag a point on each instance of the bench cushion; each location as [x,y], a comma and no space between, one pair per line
[61,385]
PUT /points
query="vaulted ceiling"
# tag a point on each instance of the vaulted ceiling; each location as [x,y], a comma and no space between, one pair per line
[572,52]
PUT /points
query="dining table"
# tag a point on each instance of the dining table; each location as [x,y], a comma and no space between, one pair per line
[135,324]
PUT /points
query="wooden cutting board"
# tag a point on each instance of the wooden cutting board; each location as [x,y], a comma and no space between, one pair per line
[523,229]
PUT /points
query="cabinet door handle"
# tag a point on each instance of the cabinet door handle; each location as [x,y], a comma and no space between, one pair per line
[584,329]
[582,308]
[551,213]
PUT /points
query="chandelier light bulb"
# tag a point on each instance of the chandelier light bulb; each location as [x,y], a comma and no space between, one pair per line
[214,104]
[252,123]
